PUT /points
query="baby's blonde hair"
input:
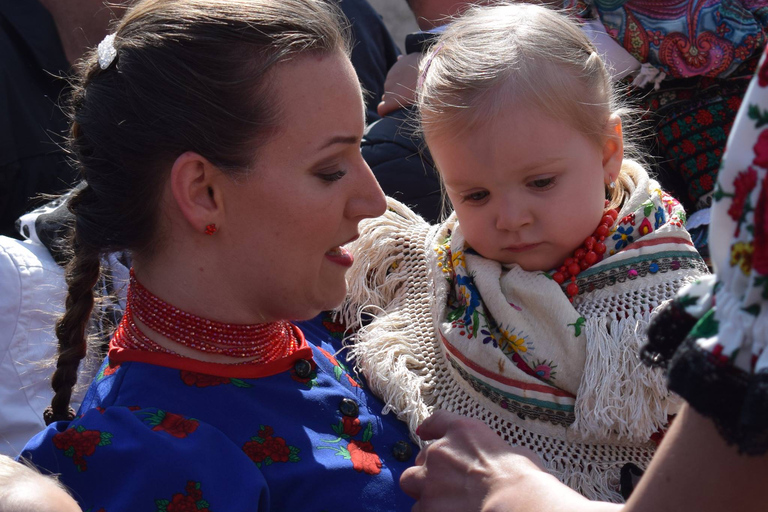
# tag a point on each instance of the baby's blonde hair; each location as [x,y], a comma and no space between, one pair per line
[16,480]
[523,53]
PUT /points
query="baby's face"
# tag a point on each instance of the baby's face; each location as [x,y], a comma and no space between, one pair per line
[527,189]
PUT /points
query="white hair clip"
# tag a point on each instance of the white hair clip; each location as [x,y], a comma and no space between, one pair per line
[107,51]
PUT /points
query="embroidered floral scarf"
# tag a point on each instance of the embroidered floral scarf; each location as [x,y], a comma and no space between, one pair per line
[516,335]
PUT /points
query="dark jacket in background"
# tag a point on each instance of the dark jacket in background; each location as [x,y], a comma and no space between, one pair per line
[374,51]
[32,125]
[402,164]
[399,157]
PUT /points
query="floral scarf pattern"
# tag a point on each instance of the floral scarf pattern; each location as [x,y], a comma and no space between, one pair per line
[515,334]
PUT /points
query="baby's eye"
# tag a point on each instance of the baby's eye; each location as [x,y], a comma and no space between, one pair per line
[542,184]
[476,197]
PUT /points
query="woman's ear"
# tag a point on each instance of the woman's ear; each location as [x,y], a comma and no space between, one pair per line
[613,148]
[195,187]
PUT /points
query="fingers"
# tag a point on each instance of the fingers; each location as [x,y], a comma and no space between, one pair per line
[437,425]
[412,481]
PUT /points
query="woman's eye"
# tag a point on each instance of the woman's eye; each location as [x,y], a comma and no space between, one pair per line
[476,197]
[542,184]
[334,176]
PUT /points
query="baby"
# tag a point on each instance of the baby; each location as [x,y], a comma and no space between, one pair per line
[527,307]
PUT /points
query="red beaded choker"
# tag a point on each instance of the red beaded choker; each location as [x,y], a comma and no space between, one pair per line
[589,253]
[261,343]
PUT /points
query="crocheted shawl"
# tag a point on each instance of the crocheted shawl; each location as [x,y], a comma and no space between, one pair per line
[438,326]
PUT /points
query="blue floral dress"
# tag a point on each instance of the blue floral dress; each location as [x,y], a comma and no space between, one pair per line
[160,433]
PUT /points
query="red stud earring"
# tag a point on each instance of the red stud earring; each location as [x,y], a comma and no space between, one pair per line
[211,229]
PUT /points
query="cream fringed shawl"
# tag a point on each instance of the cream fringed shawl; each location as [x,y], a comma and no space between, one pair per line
[439,327]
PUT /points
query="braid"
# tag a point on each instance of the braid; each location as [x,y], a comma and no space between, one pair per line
[82,275]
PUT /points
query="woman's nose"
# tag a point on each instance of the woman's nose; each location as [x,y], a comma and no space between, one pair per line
[368,200]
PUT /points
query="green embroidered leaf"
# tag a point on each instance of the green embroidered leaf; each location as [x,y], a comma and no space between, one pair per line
[294,453]
[368,432]
[201,504]
[70,452]
[647,208]
[719,194]
[258,439]
[268,461]
[456,314]
[344,453]
[106,438]
[155,419]
[546,275]
[339,429]
[197,485]
[682,216]
[686,300]
[577,326]
[706,327]
[239,383]
[762,281]
[337,372]
[475,324]
[761,117]
[80,428]
[162,505]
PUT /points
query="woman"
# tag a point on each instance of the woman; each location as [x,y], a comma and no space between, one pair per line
[219,141]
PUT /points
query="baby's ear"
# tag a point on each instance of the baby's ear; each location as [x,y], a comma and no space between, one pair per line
[613,148]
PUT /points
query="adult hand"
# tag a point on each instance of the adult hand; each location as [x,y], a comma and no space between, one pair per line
[468,467]
[400,85]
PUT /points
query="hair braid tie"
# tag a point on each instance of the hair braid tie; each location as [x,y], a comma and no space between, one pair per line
[50,416]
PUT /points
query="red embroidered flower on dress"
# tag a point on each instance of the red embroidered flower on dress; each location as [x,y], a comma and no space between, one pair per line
[364,458]
[761,150]
[176,425]
[77,442]
[110,369]
[760,244]
[351,426]
[264,448]
[688,147]
[704,117]
[277,449]
[743,184]
[707,183]
[192,501]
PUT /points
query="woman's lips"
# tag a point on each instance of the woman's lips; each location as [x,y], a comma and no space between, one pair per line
[340,256]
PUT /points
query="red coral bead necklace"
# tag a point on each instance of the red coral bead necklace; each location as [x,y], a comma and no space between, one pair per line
[587,254]
[261,343]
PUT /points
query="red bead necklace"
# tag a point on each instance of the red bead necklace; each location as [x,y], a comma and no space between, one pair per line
[586,255]
[260,343]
